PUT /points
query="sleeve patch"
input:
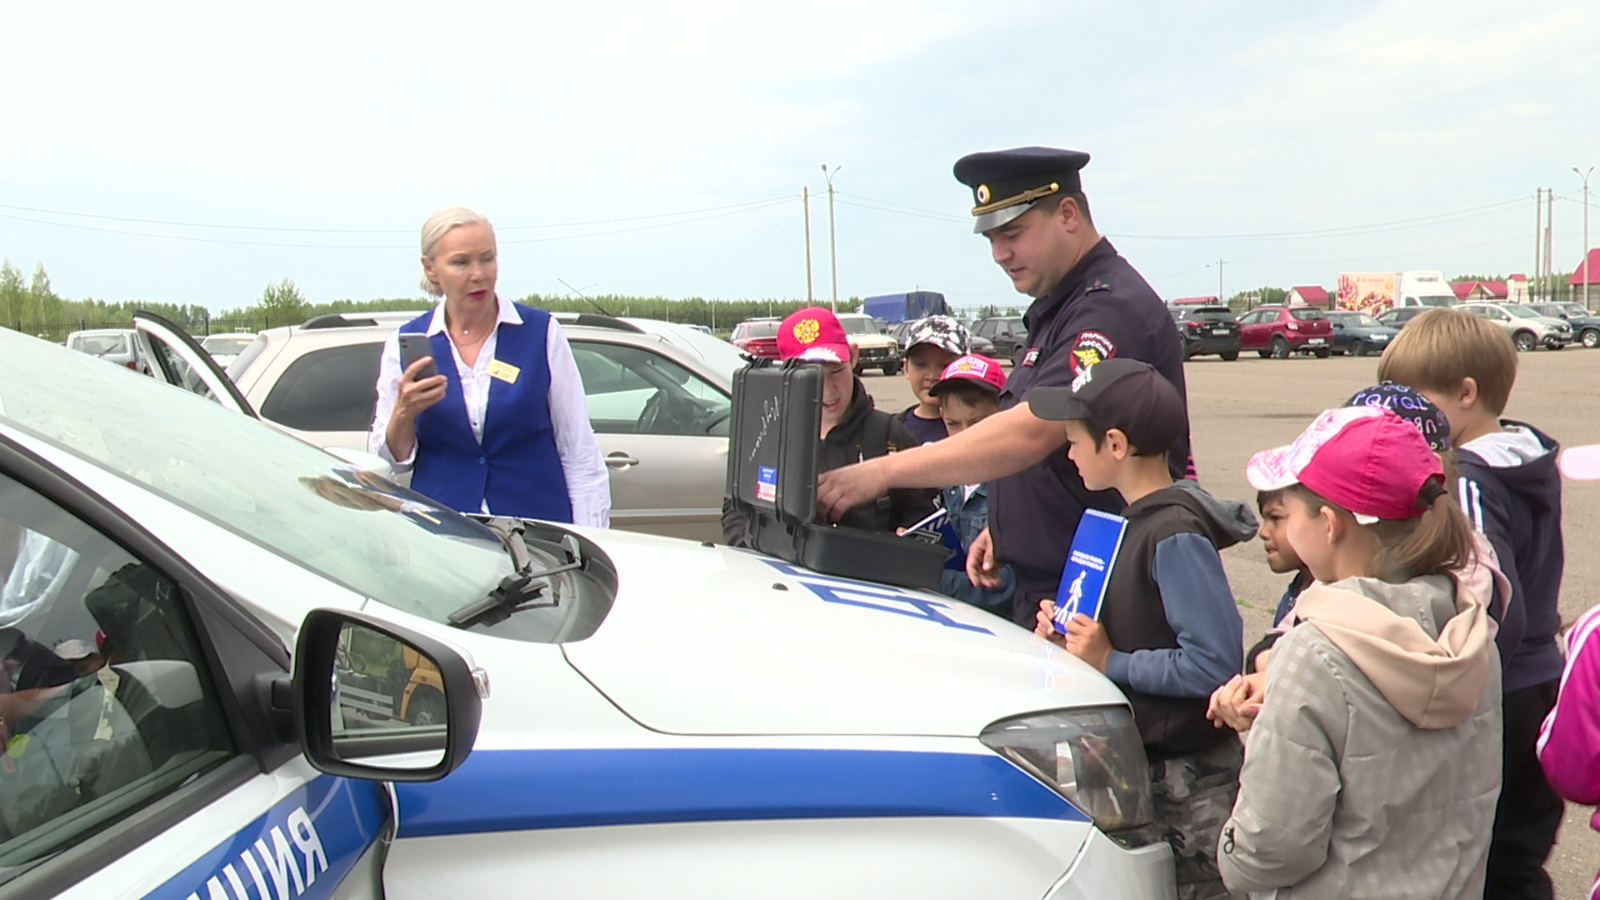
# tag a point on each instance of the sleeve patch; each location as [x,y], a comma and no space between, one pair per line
[1089,348]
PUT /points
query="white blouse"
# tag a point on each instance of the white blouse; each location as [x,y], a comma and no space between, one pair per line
[588,485]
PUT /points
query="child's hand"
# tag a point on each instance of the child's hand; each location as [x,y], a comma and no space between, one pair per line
[983,569]
[1087,640]
[1237,703]
[1044,624]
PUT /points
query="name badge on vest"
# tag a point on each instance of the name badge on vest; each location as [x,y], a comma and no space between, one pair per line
[504,371]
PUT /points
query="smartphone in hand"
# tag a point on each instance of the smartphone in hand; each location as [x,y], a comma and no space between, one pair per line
[414,347]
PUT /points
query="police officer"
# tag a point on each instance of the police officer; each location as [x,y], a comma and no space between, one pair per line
[1089,304]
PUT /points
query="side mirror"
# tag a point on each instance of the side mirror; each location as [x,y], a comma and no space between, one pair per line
[377,701]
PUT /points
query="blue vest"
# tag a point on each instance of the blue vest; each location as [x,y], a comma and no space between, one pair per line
[517,467]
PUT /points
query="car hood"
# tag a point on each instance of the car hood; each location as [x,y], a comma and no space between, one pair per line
[711,640]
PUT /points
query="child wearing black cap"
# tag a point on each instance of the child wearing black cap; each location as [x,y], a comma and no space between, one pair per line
[1169,633]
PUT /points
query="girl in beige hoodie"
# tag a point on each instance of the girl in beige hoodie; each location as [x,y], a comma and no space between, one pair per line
[1373,767]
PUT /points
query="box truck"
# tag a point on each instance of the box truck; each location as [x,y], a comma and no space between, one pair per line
[1375,292]
[905,307]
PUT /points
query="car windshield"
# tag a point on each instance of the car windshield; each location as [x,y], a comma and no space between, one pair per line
[1356,319]
[761,330]
[1436,300]
[1522,312]
[353,528]
[1575,309]
[1307,315]
[721,356]
[861,325]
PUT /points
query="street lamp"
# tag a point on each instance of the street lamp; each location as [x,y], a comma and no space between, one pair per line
[1585,177]
[833,247]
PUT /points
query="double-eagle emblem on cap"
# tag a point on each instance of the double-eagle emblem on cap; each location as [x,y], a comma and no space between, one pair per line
[807,330]
[966,365]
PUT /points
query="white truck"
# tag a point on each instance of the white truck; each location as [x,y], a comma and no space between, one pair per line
[1375,292]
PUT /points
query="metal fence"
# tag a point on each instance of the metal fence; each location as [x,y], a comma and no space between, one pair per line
[57,330]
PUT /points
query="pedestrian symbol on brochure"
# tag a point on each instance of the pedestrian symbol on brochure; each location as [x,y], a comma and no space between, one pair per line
[767,483]
[1084,577]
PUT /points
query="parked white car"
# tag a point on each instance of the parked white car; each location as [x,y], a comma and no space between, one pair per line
[617,714]
[659,398]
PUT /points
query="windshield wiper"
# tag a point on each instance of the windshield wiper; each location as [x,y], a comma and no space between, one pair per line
[516,591]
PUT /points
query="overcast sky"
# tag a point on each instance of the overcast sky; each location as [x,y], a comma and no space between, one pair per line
[193,152]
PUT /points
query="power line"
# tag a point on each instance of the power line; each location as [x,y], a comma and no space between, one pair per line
[231,227]
[735,209]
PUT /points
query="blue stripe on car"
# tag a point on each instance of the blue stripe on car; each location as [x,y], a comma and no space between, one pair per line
[509,790]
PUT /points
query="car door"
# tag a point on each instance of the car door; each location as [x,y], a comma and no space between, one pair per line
[140,758]
[318,399]
[179,360]
[663,430]
[1250,331]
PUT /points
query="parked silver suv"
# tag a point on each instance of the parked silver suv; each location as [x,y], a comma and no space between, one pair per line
[1527,328]
[659,397]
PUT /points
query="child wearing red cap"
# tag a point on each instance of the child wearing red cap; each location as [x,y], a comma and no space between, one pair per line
[1373,767]
[968,391]
[852,430]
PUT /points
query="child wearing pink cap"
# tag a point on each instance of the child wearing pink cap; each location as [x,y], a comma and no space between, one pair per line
[968,391]
[1373,768]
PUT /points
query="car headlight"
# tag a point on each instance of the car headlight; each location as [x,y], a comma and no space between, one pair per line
[1092,757]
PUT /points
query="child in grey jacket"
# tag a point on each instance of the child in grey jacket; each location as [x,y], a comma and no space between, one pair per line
[1373,767]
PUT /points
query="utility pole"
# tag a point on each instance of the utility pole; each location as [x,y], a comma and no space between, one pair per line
[1549,238]
[805,202]
[833,247]
[1585,263]
[1220,298]
[1538,229]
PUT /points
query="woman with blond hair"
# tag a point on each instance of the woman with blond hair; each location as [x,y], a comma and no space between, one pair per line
[502,427]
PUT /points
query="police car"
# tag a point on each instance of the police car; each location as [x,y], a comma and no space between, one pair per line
[239,668]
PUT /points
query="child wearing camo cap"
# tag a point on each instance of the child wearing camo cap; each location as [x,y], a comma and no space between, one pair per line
[931,345]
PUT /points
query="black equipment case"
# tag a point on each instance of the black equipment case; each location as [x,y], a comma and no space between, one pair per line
[772,478]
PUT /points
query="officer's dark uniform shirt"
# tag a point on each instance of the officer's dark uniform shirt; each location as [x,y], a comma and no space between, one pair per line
[1102,308]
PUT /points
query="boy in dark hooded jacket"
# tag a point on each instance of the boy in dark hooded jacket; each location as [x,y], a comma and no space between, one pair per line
[1508,486]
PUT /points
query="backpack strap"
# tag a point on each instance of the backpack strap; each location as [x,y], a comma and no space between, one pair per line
[875,435]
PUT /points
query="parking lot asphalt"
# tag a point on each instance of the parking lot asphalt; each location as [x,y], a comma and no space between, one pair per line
[1237,408]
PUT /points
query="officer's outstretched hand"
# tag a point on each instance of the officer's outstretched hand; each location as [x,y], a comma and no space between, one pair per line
[842,489]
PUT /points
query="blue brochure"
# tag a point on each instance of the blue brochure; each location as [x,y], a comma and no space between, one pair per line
[1083,578]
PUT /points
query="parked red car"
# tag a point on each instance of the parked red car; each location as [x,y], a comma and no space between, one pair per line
[757,338]
[1278,331]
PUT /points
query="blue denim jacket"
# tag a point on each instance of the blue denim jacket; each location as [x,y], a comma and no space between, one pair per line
[969,517]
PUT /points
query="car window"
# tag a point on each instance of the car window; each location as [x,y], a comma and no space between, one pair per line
[1307,315]
[759,329]
[183,374]
[100,344]
[106,702]
[858,325]
[632,390]
[332,389]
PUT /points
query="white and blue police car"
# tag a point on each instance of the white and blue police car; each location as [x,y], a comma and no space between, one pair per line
[240,669]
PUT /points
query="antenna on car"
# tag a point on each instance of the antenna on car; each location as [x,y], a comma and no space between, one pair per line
[585,297]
